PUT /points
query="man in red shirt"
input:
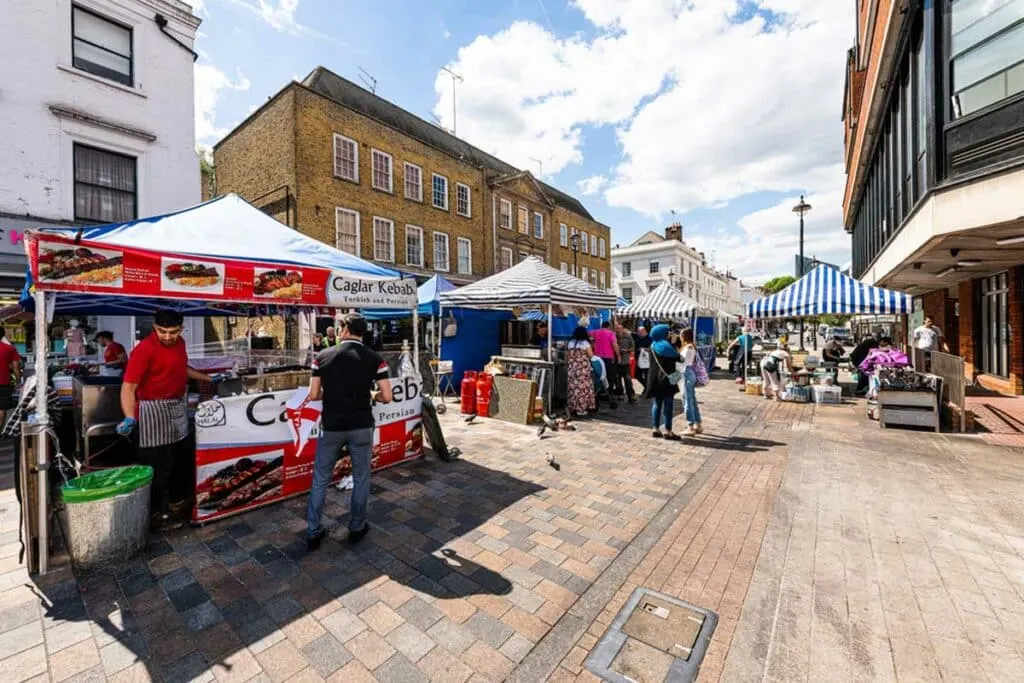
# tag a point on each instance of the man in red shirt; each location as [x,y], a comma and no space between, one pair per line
[114,355]
[153,398]
[10,374]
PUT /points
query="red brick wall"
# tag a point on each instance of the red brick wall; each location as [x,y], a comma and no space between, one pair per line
[935,306]
[966,297]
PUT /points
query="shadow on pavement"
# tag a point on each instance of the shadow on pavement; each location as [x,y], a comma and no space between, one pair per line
[197,596]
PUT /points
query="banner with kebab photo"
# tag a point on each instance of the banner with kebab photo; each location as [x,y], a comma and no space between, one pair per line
[252,450]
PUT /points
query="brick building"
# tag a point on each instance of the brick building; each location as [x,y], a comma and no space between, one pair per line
[349,168]
[933,117]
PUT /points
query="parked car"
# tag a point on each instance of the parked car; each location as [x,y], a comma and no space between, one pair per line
[840,334]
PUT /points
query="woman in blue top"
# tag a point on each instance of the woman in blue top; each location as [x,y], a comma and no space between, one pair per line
[658,388]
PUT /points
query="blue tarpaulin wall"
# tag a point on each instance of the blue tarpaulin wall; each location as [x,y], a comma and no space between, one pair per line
[562,327]
[478,338]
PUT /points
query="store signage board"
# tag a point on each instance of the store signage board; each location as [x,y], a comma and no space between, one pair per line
[60,264]
[256,449]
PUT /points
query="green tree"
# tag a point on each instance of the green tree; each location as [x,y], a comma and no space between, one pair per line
[777,284]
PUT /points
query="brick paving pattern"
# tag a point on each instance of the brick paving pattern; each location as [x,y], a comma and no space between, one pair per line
[814,543]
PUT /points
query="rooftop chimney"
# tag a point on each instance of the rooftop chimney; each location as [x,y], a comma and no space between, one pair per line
[674,232]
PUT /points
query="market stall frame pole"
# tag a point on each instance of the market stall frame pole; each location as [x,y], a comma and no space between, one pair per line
[43,417]
[416,340]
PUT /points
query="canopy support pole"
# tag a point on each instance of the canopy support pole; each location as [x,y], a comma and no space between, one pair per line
[440,328]
[42,435]
[416,339]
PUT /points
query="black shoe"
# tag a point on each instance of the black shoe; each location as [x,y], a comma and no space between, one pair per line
[313,542]
[356,536]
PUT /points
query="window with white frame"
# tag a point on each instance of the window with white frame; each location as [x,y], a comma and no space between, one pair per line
[383,239]
[101,47]
[414,245]
[538,225]
[601,252]
[603,282]
[583,242]
[346,230]
[382,179]
[627,294]
[463,202]
[593,245]
[654,267]
[564,267]
[563,235]
[465,255]
[506,258]
[505,214]
[346,158]
[586,274]
[440,192]
[441,261]
[413,182]
[524,220]
[627,269]
[593,278]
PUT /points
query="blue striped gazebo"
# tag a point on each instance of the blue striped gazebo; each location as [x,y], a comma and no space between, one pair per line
[826,291]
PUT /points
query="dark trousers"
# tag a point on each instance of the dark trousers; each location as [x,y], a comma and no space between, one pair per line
[625,382]
[862,382]
[173,466]
[611,374]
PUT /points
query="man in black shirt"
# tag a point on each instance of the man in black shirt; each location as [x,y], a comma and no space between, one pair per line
[857,356]
[343,376]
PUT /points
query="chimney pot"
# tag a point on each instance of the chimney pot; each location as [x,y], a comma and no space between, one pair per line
[674,232]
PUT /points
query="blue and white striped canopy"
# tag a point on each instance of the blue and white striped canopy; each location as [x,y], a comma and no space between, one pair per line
[826,291]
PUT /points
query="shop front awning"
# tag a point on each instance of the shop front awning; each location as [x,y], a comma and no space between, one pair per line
[664,303]
[826,291]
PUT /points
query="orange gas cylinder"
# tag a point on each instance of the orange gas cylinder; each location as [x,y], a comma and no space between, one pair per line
[468,393]
[484,385]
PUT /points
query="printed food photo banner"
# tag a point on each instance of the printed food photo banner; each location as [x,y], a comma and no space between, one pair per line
[256,449]
[60,264]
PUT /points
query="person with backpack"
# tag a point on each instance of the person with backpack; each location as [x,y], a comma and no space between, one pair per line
[690,361]
[662,383]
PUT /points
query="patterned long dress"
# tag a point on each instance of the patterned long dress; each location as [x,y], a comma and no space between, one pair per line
[581,380]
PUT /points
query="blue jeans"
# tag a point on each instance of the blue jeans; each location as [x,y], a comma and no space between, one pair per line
[328,448]
[690,395]
[661,407]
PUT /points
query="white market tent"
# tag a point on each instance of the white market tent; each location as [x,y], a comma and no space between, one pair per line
[529,282]
[664,303]
[826,291]
[227,228]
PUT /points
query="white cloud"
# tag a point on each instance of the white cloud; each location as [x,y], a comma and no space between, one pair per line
[198,7]
[280,15]
[210,84]
[770,237]
[593,184]
[707,106]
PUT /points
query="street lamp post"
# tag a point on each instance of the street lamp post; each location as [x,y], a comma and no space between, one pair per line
[672,278]
[802,208]
[575,239]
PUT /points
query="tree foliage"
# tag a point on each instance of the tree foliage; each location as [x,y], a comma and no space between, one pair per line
[777,284]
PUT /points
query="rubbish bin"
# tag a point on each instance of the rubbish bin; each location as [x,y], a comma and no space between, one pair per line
[106,515]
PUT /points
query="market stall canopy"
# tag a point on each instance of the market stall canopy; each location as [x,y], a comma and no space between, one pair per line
[204,260]
[826,291]
[529,282]
[664,303]
[427,295]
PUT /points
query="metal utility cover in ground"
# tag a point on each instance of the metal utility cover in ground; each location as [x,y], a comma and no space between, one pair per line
[653,639]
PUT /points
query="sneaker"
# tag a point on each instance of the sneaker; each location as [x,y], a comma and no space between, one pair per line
[356,536]
[699,429]
[313,542]
[690,431]
[657,434]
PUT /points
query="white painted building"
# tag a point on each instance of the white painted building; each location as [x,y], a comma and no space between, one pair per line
[652,259]
[97,119]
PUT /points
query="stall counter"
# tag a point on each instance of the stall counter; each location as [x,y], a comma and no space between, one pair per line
[257,449]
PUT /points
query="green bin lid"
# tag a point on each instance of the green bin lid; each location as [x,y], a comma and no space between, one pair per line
[106,483]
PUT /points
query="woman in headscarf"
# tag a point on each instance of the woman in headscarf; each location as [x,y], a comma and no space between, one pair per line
[658,388]
[582,398]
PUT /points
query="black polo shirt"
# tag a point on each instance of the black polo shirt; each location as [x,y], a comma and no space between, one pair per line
[347,373]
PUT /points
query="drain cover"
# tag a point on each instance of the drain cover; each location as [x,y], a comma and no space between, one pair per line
[654,638]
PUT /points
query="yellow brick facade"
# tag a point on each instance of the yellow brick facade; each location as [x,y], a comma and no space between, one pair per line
[290,143]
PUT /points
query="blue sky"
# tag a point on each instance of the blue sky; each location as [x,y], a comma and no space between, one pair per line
[654,108]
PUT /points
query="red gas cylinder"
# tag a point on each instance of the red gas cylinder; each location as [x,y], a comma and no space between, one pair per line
[484,385]
[469,393]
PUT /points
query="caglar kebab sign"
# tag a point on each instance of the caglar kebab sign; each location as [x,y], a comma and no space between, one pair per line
[345,291]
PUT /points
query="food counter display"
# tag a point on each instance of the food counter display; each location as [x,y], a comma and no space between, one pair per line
[256,449]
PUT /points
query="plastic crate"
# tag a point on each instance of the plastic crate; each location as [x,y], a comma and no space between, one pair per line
[797,394]
[825,394]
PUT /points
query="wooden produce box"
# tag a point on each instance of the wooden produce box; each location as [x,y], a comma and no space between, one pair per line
[908,409]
